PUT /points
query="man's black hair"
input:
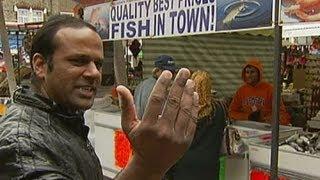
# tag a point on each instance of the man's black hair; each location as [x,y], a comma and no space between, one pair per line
[44,42]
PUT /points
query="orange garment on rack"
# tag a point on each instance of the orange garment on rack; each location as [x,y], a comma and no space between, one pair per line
[260,96]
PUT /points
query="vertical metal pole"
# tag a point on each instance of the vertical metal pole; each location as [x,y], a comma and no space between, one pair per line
[18,54]
[119,64]
[6,52]
[127,60]
[276,94]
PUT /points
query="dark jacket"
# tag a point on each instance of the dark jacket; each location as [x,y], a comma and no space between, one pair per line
[201,161]
[142,93]
[40,140]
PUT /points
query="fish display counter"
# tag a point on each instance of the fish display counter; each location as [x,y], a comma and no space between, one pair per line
[250,130]
[238,167]
[299,156]
[114,151]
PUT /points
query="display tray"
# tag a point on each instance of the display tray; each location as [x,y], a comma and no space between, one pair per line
[302,164]
[262,131]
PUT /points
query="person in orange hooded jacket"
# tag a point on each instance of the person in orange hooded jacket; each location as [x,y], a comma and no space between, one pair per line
[253,100]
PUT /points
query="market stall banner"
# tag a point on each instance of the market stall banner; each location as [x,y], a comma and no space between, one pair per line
[161,18]
[164,18]
[295,11]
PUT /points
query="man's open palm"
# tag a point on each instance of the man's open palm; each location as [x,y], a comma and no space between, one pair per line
[168,125]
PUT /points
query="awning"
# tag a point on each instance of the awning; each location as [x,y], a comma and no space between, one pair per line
[14,26]
[301,30]
[89,2]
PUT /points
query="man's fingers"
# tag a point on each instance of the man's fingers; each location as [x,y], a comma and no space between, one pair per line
[186,106]
[195,105]
[194,117]
[172,104]
[157,97]
[128,114]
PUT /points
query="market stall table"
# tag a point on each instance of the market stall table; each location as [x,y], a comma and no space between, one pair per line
[106,124]
[239,167]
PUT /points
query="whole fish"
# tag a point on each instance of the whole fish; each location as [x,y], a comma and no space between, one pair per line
[293,137]
[233,13]
[317,145]
[287,147]
[312,150]
[296,146]
[299,141]
[312,136]
[305,140]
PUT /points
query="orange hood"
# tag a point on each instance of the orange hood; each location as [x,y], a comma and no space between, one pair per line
[255,62]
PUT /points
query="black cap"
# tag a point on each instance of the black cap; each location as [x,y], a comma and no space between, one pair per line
[165,62]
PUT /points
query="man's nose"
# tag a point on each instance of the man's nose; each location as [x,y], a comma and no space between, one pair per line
[92,71]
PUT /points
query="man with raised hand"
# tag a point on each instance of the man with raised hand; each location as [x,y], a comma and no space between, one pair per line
[43,135]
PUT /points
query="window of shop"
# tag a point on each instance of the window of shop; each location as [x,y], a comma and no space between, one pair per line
[23,15]
[37,16]
[29,15]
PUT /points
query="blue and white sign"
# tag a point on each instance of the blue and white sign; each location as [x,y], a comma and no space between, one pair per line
[15,42]
[136,19]
[161,18]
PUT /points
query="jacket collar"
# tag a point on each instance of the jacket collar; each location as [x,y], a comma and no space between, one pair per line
[74,120]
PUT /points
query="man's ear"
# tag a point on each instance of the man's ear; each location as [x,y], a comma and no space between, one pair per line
[39,65]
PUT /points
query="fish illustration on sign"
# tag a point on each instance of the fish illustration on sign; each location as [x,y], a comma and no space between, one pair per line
[234,12]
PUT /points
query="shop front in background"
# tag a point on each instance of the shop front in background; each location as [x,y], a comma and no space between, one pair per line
[301,79]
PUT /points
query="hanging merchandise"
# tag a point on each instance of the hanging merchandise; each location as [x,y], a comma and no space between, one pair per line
[313,86]
[140,55]
[300,72]
[134,56]
[296,55]
[135,48]
[303,59]
[299,78]
[315,46]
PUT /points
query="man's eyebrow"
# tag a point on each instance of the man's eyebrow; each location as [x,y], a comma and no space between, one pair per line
[78,56]
[84,56]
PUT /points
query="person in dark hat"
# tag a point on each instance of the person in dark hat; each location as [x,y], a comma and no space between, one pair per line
[165,62]
[143,90]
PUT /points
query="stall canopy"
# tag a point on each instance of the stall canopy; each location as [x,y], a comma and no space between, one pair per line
[301,30]
[89,2]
